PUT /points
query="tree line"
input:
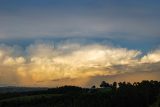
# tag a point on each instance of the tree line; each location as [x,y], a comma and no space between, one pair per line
[122,94]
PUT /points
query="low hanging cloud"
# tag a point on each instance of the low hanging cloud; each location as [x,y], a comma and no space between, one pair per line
[49,64]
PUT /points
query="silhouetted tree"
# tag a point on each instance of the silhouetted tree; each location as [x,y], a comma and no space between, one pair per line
[138,94]
[93,87]
[104,84]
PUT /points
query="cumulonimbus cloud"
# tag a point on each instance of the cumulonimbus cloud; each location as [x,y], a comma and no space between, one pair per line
[44,62]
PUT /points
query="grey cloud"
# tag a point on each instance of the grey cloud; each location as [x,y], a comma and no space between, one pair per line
[140,22]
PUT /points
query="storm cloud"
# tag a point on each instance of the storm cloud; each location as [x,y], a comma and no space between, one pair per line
[78,42]
[43,63]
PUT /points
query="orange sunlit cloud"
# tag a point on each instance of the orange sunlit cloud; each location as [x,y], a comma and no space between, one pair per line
[72,64]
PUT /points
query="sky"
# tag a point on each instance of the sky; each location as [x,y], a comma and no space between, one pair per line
[78,42]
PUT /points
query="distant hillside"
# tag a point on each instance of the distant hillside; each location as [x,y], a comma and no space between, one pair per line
[122,94]
[19,89]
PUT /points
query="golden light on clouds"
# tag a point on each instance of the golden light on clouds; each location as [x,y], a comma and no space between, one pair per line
[152,57]
[44,64]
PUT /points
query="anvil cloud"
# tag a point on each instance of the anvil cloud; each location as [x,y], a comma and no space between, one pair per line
[78,42]
[43,63]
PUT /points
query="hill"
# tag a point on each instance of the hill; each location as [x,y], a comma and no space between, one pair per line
[121,94]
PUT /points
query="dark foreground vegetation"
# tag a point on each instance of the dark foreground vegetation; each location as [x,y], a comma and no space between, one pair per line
[143,94]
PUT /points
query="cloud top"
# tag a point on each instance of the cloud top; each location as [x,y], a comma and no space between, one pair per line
[42,63]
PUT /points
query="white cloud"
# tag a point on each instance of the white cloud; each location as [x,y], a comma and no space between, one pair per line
[152,57]
[45,61]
